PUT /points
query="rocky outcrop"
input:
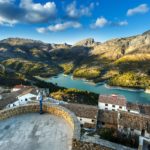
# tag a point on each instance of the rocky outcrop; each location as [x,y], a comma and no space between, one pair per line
[117,48]
[86,43]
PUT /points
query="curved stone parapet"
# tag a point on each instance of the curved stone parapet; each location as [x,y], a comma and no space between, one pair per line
[48,108]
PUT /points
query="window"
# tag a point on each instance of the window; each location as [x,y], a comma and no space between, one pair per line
[106,104]
[113,105]
[92,120]
[106,108]
[80,119]
[103,123]
[120,107]
[113,109]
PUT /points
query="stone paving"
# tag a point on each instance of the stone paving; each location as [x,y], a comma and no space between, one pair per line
[35,132]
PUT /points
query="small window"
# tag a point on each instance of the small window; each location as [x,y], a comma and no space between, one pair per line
[113,105]
[80,119]
[26,99]
[120,107]
[106,108]
[113,109]
[128,110]
[106,104]
[103,123]
[132,129]
[92,120]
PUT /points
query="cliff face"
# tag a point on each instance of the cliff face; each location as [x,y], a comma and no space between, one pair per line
[117,48]
[87,43]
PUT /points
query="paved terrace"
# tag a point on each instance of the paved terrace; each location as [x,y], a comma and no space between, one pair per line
[28,130]
[35,132]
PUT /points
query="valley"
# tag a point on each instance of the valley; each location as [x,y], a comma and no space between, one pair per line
[121,62]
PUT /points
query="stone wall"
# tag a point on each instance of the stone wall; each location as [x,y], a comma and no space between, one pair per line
[48,108]
[135,121]
[80,145]
[109,118]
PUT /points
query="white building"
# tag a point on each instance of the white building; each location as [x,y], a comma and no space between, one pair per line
[112,102]
[25,97]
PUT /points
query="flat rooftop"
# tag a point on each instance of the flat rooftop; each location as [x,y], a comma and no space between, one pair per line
[35,132]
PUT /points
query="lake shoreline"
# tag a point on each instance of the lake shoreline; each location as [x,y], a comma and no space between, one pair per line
[97,83]
[107,85]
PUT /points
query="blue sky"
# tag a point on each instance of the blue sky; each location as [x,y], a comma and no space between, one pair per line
[60,21]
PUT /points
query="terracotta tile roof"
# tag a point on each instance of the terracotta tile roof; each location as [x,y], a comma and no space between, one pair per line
[19,86]
[8,98]
[28,90]
[85,111]
[131,106]
[113,99]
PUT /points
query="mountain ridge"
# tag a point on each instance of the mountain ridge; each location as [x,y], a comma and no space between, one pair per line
[100,61]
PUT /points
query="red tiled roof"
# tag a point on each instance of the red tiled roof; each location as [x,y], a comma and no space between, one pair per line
[19,86]
[113,99]
[85,111]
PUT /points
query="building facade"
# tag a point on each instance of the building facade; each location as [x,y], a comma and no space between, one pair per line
[112,102]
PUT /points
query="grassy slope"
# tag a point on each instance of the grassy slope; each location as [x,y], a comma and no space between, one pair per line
[31,68]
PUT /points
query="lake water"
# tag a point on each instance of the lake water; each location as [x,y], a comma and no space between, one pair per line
[135,96]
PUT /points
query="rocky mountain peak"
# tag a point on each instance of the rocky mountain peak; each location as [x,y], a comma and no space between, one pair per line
[147,32]
[86,42]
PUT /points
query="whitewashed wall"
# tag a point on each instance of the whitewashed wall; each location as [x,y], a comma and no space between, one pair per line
[110,107]
[85,120]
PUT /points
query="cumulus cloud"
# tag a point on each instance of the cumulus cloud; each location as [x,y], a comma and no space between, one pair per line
[60,27]
[64,26]
[141,9]
[10,13]
[36,12]
[100,22]
[75,12]
[26,12]
[6,1]
[7,22]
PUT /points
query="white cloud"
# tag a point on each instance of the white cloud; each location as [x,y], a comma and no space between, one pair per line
[59,27]
[41,30]
[7,22]
[143,8]
[64,26]
[36,12]
[100,22]
[6,1]
[75,12]
[123,23]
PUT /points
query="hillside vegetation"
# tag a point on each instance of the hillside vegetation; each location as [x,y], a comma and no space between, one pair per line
[30,68]
[88,73]
[118,61]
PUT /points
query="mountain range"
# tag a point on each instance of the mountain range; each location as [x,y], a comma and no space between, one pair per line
[121,61]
